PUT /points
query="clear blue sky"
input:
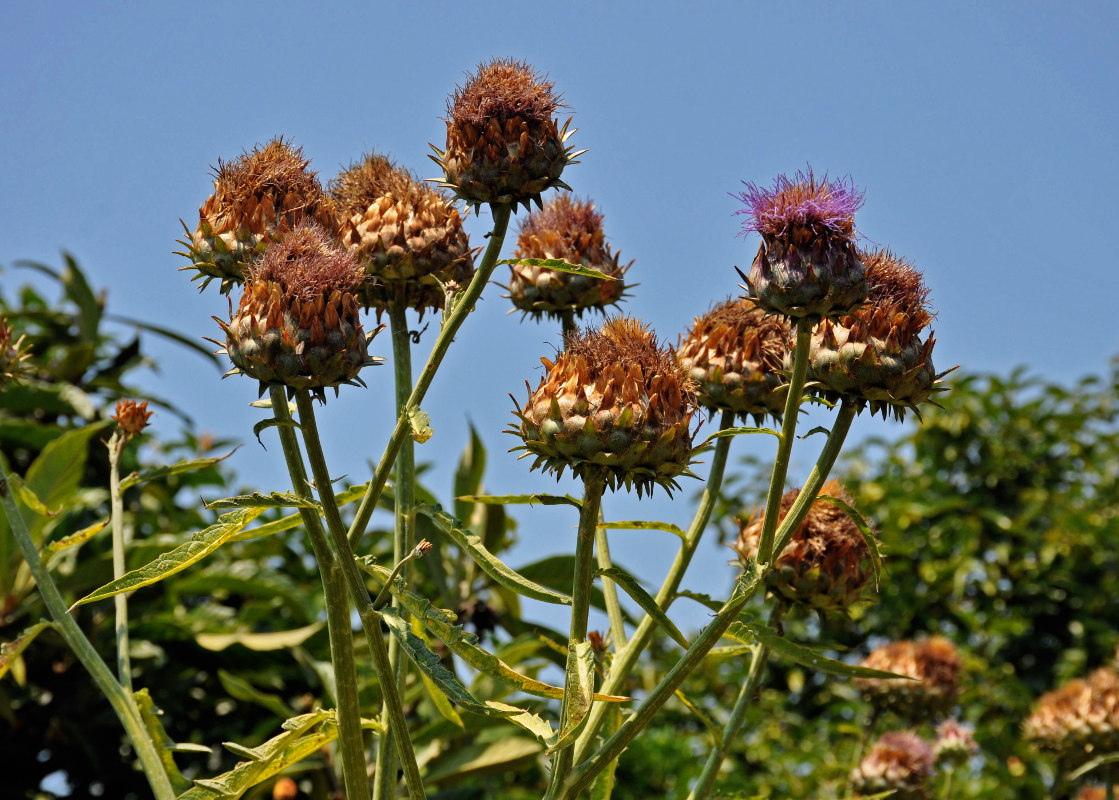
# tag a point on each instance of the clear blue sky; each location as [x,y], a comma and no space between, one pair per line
[985,136]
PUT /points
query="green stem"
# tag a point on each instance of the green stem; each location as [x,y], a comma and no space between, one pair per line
[946,789]
[819,474]
[737,715]
[582,580]
[785,446]
[119,698]
[610,589]
[661,694]
[359,594]
[404,529]
[451,323]
[120,602]
[626,657]
[350,736]
[567,324]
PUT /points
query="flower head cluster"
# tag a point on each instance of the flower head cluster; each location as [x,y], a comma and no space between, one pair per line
[932,669]
[1079,719]
[900,761]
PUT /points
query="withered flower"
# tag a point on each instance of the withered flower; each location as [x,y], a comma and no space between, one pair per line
[503,144]
[614,401]
[900,761]
[826,565]
[1078,720]
[807,264]
[407,235]
[932,667]
[735,353]
[570,230]
[256,196]
[131,416]
[298,322]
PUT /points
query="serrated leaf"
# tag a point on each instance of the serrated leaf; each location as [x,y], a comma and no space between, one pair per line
[10,651]
[806,656]
[727,432]
[444,706]
[521,499]
[534,724]
[201,545]
[419,424]
[645,600]
[240,689]
[642,525]
[559,265]
[734,651]
[164,743]
[490,564]
[270,500]
[704,600]
[85,534]
[136,478]
[260,642]
[579,677]
[864,529]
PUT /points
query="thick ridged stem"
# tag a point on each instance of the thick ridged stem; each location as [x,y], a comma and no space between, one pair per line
[581,584]
[610,589]
[359,594]
[120,602]
[404,528]
[451,323]
[661,694]
[816,479]
[119,698]
[785,445]
[625,657]
[350,737]
[718,754]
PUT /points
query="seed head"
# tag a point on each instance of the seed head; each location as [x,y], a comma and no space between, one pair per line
[503,89]
[131,416]
[934,666]
[735,353]
[900,761]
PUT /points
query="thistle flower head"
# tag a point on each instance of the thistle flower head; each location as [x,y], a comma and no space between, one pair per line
[1078,720]
[900,761]
[735,353]
[955,742]
[801,209]
[571,230]
[615,402]
[407,235]
[932,669]
[131,416]
[306,264]
[826,565]
[503,146]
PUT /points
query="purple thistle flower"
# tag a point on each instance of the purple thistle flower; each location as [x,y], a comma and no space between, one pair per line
[802,202]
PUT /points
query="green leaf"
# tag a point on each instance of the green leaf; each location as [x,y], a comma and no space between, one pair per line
[10,651]
[57,472]
[136,478]
[522,499]
[704,600]
[260,642]
[559,265]
[270,758]
[201,545]
[270,500]
[577,703]
[444,706]
[23,492]
[74,539]
[641,525]
[480,759]
[164,743]
[805,656]
[533,723]
[645,600]
[489,563]
[864,529]
[712,728]
[167,333]
[240,689]
[725,432]
[468,475]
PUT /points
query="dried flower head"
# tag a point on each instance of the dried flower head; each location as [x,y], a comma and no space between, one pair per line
[955,742]
[407,235]
[1078,720]
[298,321]
[616,402]
[826,565]
[131,416]
[735,353]
[256,196]
[807,265]
[14,354]
[933,668]
[875,356]
[900,761]
[503,145]
[570,230]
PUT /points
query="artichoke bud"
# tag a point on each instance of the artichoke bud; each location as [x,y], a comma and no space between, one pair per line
[298,323]
[900,761]
[614,402]
[932,666]
[503,144]
[570,230]
[735,353]
[256,197]
[407,235]
[826,564]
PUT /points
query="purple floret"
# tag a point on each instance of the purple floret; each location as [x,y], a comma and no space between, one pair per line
[801,201]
